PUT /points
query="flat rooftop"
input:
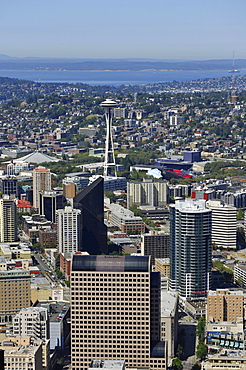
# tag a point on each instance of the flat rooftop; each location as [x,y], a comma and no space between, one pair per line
[56,310]
[107,364]
[111,263]
[169,301]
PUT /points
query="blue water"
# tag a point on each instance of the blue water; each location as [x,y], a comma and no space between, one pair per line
[114,78]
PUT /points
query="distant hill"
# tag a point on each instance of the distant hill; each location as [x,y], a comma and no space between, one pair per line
[133,64]
[6,57]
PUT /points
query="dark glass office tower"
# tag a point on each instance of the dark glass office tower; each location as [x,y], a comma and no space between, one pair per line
[49,202]
[94,232]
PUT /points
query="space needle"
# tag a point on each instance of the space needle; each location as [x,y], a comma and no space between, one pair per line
[109,163]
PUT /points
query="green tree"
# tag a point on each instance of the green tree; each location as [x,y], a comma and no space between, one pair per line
[59,274]
[112,197]
[177,364]
[38,248]
[200,329]
[240,214]
[179,352]
[201,351]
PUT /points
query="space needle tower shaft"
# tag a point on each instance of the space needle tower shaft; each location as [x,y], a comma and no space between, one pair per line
[109,162]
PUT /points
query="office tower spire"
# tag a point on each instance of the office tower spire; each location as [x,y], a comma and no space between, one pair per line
[109,163]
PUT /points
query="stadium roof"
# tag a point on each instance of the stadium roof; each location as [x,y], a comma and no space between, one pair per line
[36,157]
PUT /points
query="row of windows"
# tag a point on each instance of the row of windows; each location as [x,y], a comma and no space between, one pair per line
[111,275]
[123,336]
[111,291]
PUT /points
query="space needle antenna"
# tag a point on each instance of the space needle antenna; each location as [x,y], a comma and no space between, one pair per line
[109,162]
[233,96]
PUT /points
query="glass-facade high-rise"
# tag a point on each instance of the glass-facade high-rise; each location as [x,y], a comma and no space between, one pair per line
[93,230]
[190,248]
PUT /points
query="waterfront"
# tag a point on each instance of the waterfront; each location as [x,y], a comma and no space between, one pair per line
[115,78]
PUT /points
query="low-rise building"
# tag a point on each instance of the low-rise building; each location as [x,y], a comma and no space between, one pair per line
[14,292]
[163,266]
[225,305]
[32,322]
[169,320]
[15,251]
[227,360]
[59,315]
[225,335]
[124,219]
[22,353]
[111,183]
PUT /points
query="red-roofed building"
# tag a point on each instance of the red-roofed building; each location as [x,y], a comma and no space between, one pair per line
[24,206]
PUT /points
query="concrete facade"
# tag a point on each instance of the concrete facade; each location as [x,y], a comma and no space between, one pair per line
[115,312]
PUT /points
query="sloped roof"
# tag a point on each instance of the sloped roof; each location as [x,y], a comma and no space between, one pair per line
[36,157]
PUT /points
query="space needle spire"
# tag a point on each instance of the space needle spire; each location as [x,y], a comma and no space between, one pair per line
[109,162]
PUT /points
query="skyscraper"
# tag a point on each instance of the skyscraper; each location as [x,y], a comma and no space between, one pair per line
[8,185]
[115,312]
[190,248]
[49,202]
[8,220]
[93,230]
[41,181]
[68,222]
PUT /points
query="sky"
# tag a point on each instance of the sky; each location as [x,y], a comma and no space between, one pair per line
[158,29]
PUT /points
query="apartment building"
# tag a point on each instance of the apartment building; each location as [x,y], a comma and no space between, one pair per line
[41,181]
[155,244]
[151,192]
[225,305]
[8,220]
[190,248]
[68,222]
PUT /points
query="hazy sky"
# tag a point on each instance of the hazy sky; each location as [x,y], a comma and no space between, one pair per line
[163,29]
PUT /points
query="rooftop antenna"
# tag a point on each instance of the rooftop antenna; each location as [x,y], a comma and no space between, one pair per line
[233,96]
